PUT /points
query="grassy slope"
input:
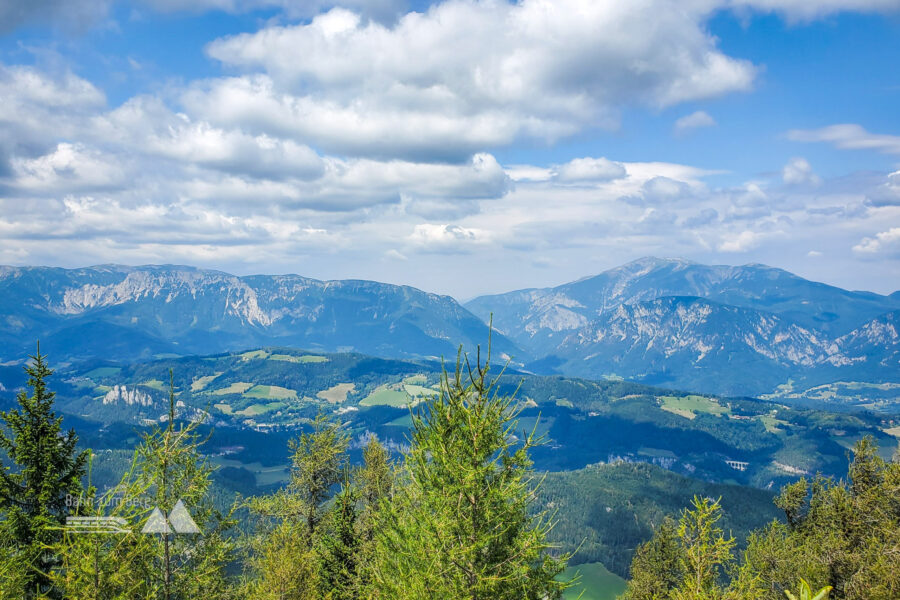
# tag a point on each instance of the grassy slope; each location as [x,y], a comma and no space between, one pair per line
[596,583]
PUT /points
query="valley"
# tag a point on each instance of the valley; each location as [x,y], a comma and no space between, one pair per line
[651,383]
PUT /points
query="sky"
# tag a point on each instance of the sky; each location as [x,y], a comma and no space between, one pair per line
[460,146]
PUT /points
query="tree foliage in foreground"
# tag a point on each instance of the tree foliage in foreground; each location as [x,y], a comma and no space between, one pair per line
[459,526]
[840,537]
[46,469]
[167,468]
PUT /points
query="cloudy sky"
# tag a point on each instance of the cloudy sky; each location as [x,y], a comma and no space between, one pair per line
[461,146]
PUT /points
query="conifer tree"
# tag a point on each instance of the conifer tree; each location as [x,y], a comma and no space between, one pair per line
[283,555]
[107,564]
[46,469]
[459,524]
[705,551]
[375,481]
[339,547]
[171,466]
[840,534]
[684,563]
[656,568]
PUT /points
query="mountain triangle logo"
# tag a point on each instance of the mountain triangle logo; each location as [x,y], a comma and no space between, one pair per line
[179,520]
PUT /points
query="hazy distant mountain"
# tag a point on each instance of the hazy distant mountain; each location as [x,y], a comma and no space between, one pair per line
[736,330]
[132,312]
[731,330]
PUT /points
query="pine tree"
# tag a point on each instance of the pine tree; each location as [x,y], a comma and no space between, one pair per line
[106,565]
[684,563]
[375,482]
[705,551]
[339,548]
[283,560]
[46,469]
[656,568]
[841,534]
[179,565]
[459,523]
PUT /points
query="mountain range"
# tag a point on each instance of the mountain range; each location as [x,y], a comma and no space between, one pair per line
[746,330]
[128,313]
[722,329]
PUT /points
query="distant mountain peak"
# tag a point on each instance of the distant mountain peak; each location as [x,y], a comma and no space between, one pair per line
[147,310]
[714,324]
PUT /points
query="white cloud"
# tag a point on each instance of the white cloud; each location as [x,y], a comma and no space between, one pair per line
[381,10]
[887,193]
[809,10]
[742,242]
[695,120]
[798,171]
[485,74]
[396,255]
[885,241]
[37,110]
[849,136]
[446,238]
[589,170]
[69,168]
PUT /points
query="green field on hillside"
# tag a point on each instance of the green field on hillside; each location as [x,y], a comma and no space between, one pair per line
[690,406]
[199,384]
[102,372]
[272,392]
[238,387]
[155,384]
[418,391]
[306,358]
[336,393]
[596,583]
[387,395]
[255,410]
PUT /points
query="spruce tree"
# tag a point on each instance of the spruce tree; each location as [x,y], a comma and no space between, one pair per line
[46,468]
[684,563]
[107,565]
[339,547]
[656,568]
[169,464]
[459,525]
[841,534]
[284,553]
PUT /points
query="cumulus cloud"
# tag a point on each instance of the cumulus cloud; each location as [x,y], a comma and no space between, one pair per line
[798,171]
[485,74]
[446,238]
[885,241]
[695,120]
[887,193]
[589,170]
[848,136]
[68,168]
[38,109]
[742,242]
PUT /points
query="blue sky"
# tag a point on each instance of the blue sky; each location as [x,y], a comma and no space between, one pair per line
[462,146]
